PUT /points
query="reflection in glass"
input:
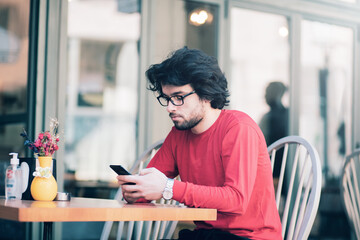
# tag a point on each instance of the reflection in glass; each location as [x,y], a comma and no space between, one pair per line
[260,69]
[14,38]
[325,106]
[274,123]
[11,141]
[102,88]
[201,26]
[184,23]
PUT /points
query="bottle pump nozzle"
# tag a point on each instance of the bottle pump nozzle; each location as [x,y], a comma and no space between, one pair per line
[14,159]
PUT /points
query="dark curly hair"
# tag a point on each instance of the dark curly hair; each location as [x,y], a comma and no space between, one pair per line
[194,67]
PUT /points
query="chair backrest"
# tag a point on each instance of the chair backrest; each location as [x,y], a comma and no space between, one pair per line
[299,185]
[350,190]
[142,229]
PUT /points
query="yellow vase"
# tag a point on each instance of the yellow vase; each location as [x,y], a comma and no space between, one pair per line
[44,189]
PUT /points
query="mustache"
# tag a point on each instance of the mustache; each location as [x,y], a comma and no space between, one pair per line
[174,115]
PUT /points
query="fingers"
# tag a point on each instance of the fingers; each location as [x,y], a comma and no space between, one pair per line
[150,184]
[132,196]
[130,188]
[146,171]
[129,200]
[129,197]
[122,179]
[130,193]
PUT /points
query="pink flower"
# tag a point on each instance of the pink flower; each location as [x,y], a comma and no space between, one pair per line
[37,143]
[45,144]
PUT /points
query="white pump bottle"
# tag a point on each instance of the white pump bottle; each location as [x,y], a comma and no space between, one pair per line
[13,179]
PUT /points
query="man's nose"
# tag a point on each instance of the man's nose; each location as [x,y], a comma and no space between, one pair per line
[170,107]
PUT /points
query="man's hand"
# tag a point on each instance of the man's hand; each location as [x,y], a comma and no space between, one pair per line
[149,184]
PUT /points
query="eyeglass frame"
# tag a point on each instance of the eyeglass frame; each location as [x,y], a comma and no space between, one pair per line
[169,99]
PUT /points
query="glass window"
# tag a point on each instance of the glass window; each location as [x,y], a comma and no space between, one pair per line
[201,26]
[188,23]
[259,79]
[175,24]
[326,80]
[102,87]
[14,39]
[10,142]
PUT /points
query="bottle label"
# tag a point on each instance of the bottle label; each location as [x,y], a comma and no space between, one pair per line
[13,184]
[10,174]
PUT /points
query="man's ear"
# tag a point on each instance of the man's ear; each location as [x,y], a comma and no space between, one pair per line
[206,101]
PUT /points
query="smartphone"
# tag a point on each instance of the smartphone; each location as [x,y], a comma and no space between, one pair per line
[120,170]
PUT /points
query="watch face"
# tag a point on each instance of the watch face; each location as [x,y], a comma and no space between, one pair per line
[167,195]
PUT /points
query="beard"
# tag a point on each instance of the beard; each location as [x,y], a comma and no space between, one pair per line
[192,119]
[186,125]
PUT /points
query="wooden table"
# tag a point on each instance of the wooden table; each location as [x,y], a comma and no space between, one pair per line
[96,210]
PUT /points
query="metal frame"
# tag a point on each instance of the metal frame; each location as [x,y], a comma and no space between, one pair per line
[50,79]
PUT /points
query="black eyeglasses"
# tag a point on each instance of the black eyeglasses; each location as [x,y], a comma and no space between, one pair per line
[176,100]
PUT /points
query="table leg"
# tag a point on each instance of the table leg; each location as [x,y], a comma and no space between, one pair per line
[47,230]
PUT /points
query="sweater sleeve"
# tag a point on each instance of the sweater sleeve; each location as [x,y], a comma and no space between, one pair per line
[164,159]
[239,156]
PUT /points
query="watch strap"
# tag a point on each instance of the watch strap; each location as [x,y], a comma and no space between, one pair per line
[168,191]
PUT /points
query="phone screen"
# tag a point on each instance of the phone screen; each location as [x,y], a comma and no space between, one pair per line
[121,171]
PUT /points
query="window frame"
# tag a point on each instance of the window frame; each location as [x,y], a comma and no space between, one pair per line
[326,11]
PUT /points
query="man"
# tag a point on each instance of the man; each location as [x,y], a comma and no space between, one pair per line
[274,124]
[220,155]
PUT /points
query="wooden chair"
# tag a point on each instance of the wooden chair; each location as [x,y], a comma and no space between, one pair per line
[299,185]
[142,229]
[350,190]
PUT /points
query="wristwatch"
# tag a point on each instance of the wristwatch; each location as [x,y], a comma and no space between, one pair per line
[168,191]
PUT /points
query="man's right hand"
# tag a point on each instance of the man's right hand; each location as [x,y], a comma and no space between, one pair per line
[149,184]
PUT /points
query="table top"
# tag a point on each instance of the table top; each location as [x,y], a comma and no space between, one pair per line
[94,209]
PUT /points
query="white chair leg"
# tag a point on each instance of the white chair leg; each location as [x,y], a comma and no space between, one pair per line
[106,230]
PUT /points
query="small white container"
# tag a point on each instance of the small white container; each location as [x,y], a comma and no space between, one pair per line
[13,179]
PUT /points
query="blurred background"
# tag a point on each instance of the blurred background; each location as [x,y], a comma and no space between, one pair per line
[292,65]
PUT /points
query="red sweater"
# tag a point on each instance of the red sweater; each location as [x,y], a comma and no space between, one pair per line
[227,167]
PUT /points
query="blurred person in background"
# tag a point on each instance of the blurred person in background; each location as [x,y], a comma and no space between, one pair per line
[275,123]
